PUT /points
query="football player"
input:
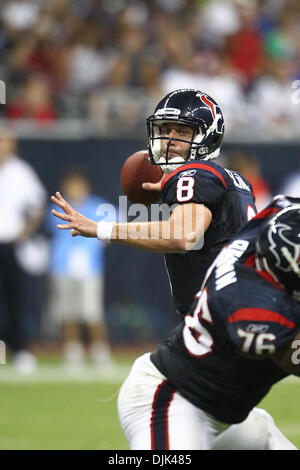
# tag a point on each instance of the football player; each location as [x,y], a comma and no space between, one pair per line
[199,389]
[185,134]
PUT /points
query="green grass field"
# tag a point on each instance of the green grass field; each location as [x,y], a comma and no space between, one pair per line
[55,410]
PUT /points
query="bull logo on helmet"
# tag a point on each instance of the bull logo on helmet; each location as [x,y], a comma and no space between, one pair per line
[288,255]
[218,123]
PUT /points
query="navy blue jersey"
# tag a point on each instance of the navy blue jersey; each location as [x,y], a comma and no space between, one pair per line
[220,356]
[230,199]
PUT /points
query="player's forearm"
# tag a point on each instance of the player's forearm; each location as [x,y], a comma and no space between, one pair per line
[160,237]
[183,231]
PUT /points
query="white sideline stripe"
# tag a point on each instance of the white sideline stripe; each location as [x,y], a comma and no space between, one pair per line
[60,373]
[291,379]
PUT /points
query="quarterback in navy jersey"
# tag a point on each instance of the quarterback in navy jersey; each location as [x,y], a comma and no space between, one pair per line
[239,339]
[229,198]
[184,134]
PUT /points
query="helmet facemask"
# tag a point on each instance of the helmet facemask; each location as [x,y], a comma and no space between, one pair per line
[160,154]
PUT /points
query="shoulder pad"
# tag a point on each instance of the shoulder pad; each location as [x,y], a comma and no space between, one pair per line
[193,169]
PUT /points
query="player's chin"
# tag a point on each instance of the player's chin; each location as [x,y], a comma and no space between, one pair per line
[175,158]
[172,154]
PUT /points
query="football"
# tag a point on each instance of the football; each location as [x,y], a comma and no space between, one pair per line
[137,170]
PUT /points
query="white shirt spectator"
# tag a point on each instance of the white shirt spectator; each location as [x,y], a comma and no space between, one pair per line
[176,78]
[291,185]
[20,15]
[273,106]
[219,18]
[88,68]
[21,195]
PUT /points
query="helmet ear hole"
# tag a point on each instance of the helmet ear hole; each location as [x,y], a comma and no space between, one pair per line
[196,150]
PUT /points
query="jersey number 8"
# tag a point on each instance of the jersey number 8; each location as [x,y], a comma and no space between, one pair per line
[185,188]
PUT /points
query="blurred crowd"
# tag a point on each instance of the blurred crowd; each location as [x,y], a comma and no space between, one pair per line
[110,61]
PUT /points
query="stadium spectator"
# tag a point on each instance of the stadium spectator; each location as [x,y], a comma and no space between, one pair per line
[62,39]
[245,47]
[20,15]
[282,39]
[128,94]
[117,103]
[271,100]
[89,62]
[149,78]
[22,204]
[77,280]
[35,103]
[219,19]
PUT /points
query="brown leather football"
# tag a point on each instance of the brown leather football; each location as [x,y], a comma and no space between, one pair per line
[137,170]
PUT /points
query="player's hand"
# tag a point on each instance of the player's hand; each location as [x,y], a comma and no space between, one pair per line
[153,186]
[78,223]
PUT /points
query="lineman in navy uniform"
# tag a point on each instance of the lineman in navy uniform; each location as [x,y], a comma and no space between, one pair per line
[184,134]
[238,340]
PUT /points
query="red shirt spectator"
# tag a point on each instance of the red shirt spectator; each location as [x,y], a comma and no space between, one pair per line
[246,52]
[34,103]
[245,47]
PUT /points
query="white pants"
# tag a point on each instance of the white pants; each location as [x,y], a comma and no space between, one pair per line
[154,416]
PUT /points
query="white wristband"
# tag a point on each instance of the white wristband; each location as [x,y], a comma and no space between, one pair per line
[104,230]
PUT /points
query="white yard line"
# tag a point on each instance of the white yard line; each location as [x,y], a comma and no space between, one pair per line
[59,373]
